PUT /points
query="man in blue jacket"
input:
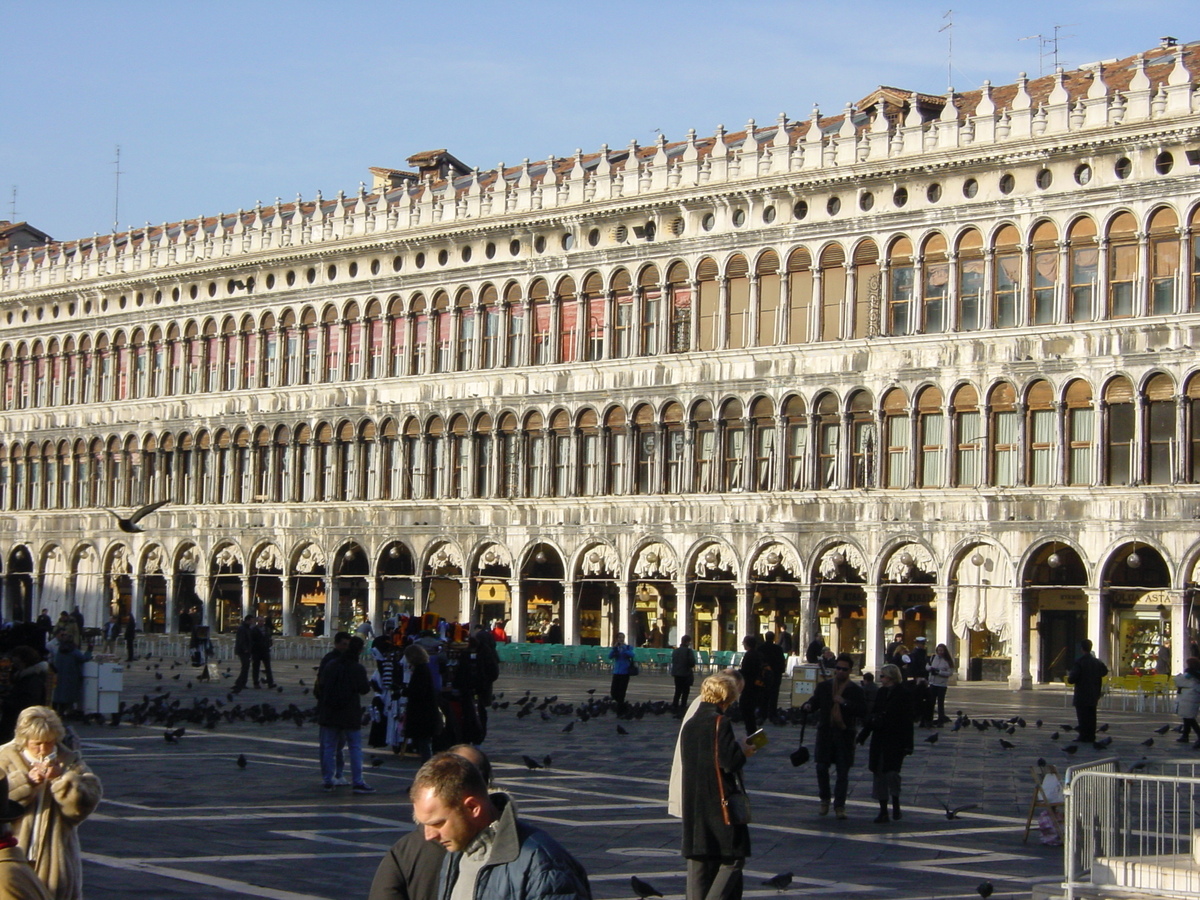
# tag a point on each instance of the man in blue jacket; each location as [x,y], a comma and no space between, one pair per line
[489,853]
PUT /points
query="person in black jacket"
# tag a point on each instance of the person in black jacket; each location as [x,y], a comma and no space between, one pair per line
[716,839]
[411,869]
[241,649]
[756,674]
[890,729]
[422,713]
[683,670]
[1088,677]
[339,713]
[839,704]
[776,660]
[917,670]
[260,651]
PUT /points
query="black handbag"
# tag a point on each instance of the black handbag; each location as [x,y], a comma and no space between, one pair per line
[735,807]
[800,755]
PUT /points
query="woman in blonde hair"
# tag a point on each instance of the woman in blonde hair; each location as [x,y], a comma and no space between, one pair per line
[58,791]
[716,839]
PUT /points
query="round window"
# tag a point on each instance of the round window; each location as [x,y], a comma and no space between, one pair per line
[1083,173]
[833,206]
[1044,179]
[769,215]
[933,193]
[970,188]
[866,200]
[1007,183]
[1164,163]
[708,221]
[739,218]
[800,210]
[900,197]
[1123,168]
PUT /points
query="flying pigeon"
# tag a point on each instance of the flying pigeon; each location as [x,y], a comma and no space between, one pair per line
[129,525]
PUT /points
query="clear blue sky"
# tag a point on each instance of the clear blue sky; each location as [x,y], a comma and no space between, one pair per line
[217,105]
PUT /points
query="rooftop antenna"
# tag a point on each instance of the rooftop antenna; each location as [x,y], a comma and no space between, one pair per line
[12,205]
[949,29]
[1048,44]
[117,190]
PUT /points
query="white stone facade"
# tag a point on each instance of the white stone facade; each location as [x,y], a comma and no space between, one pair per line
[924,365]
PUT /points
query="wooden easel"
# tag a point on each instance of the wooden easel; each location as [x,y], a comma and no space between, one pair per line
[1042,801]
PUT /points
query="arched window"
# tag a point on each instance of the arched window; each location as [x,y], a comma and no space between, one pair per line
[1042,429]
[1122,266]
[390,460]
[1194,238]
[540,308]
[968,437]
[708,303]
[1006,278]
[651,310]
[762,421]
[931,428]
[373,330]
[561,483]
[463,357]
[591,482]
[535,455]
[1164,262]
[1081,434]
[289,372]
[935,287]
[398,321]
[833,291]
[594,305]
[302,490]
[222,469]
[829,441]
[482,478]
[104,365]
[645,450]
[901,279]
[345,464]
[1193,415]
[1121,429]
[212,370]
[674,458]
[514,305]
[510,456]
[800,294]
[733,446]
[971,280]
[1084,255]
[617,451]
[1160,430]
[435,458]
[354,327]
[420,331]
[1002,406]
[441,325]
[795,443]
[766,277]
[863,440]
[897,427]
[231,356]
[312,348]
[249,351]
[737,286]
[366,485]
[416,473]
[489,332]
[624,332]
[680,309]
[704,473]
[57,354]
[1045,274]
[568,320]
[866,288]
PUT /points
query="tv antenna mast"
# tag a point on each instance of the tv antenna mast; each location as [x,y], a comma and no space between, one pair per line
[117,190]
[1048,46]
[949,29]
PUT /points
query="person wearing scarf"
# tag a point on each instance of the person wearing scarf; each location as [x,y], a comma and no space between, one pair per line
[839,704]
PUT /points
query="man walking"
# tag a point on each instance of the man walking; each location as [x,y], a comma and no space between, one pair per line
[492,855]
[756,676]
[775,658]
[260,651]
[1087,675]
[839,703]
[241,649]
[339,714]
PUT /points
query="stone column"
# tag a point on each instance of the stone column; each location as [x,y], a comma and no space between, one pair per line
[1179,632]
[569,616]
[373,604]
[1097,623]
[135,599]
[204,593]
[516,619]
[331,604]
[248,604]
[1020,677]
[742,611]
[287,624]
[171,625]
[876,604]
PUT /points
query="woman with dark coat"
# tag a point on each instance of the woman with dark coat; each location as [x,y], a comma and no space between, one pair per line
[716,840]
[890,729]
[422,717]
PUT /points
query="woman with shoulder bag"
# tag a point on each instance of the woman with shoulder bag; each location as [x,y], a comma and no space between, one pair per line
[940,671]
[716,839]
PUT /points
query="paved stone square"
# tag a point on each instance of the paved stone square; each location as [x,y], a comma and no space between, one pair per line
[182,820]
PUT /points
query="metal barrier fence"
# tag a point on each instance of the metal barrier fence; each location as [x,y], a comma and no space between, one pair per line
[1111,814]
